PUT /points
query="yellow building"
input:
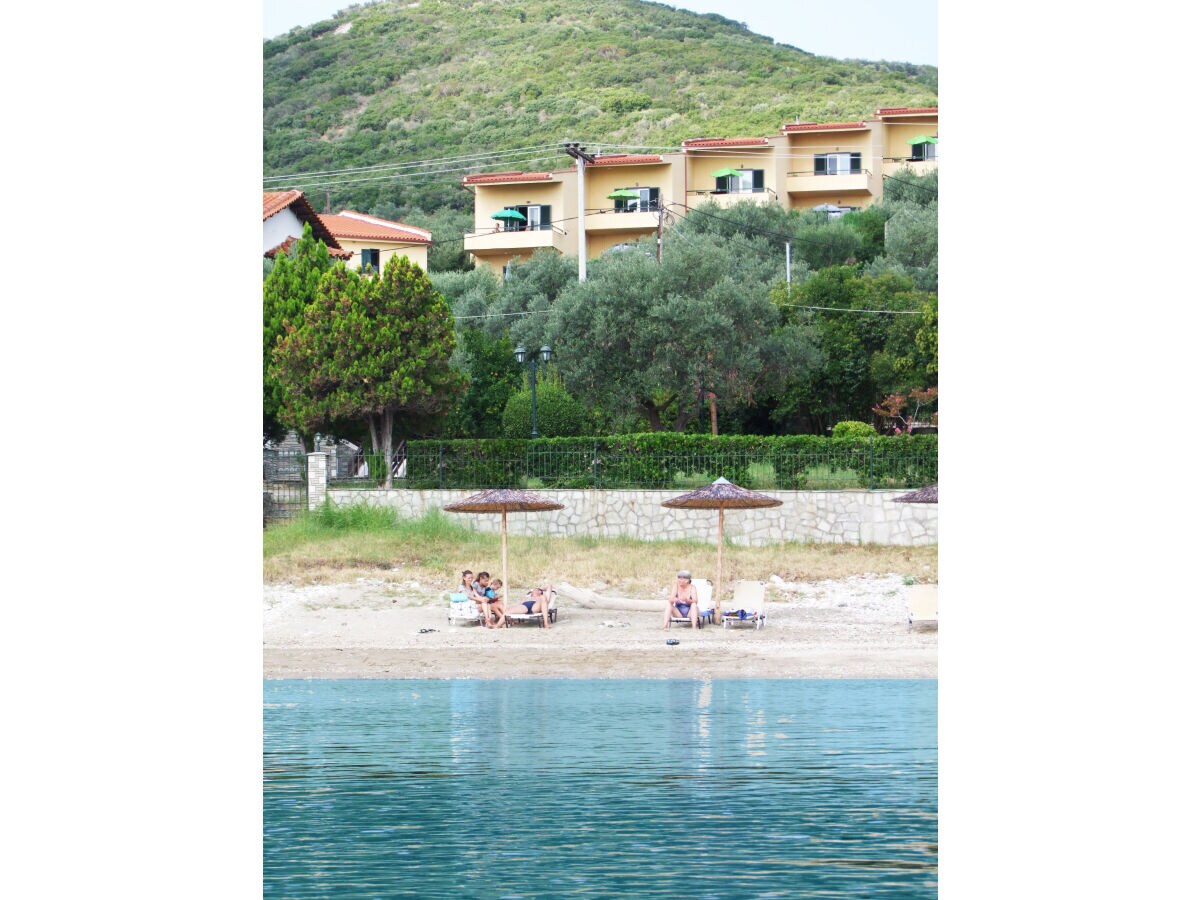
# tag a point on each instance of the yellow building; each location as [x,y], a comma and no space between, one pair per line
[830,165]
[373,241]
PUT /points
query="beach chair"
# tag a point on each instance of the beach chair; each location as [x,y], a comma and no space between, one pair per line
[706,611]
[922,605]
[749,605]
[520,615]
[463,609]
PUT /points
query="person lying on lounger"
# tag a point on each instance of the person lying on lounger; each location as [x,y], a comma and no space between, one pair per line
[538,601]
[682,600]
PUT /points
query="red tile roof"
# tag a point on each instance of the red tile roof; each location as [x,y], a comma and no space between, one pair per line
[627,159]
[824,126]
[276,201]
[500,177]
[350,224]
[335,252]
[907,111]
[724,142]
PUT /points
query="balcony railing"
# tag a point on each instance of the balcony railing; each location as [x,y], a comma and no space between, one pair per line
[729,198]
[858,171]
[504,240]
[519,226]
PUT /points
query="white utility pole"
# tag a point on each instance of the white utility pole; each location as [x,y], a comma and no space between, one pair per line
[582,157]
[788,245]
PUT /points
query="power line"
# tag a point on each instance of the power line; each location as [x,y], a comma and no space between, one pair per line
[910,184]
[890,312]
[489,154]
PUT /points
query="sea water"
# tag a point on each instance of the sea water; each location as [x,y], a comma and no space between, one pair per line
[600,788]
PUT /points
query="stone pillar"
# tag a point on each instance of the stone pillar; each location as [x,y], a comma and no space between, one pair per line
[318,467]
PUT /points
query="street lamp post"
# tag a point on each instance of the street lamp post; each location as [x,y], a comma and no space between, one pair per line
[544,356]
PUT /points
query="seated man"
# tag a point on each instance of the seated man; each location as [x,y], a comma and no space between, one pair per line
[682,600]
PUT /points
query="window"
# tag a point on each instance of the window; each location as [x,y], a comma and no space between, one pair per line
[747,181]
[537,218]
[837,164]
[922,152]
[370,258]
[647,201]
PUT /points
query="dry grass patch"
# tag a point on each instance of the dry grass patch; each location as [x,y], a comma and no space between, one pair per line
[432,551]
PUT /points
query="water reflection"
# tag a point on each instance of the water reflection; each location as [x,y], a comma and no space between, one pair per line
[616,788]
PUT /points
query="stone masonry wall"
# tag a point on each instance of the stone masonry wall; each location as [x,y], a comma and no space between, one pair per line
[824,517]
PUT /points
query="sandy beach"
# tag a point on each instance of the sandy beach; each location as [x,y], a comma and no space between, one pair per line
[372,628]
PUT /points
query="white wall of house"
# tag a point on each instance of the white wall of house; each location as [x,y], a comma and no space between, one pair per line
[280,227]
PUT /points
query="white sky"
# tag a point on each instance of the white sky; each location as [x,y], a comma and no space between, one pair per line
[866,29]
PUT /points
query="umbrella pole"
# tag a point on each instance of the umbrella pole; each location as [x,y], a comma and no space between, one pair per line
[504,549]
[720,547]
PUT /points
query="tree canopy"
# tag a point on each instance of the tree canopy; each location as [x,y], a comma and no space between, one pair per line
[289,287]
[371,347]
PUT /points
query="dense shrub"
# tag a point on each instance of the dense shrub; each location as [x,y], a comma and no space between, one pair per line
[558,413]
[853,430]
[667,459]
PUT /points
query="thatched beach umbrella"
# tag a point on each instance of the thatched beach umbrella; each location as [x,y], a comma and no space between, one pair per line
[503,501]
[721,495]
[927,494]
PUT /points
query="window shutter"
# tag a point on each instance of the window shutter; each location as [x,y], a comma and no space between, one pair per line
[546,217]
[820,164]
[855,162]
[758,179]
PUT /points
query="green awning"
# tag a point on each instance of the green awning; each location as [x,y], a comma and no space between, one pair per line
[509,214]
[923,139]
[625,194]
[724,173]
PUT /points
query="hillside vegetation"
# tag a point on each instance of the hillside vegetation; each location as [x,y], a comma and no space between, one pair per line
[423,79]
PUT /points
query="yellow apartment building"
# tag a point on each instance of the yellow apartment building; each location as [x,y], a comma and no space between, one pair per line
[830,165]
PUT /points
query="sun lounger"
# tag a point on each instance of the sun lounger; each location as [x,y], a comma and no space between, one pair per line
[922,605]
[516,611]
[749,605]
[705,607]
[463,609]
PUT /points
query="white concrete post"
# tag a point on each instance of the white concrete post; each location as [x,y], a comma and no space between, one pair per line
[318,464]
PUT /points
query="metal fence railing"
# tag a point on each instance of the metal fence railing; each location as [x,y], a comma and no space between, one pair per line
[285,484]
[432,465]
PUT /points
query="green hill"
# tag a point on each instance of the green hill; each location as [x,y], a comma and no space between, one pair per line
[423,79]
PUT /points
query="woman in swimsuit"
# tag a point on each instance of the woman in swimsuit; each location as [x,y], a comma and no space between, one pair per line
[682,600]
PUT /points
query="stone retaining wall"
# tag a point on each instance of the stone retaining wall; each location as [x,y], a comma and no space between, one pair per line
[823,517]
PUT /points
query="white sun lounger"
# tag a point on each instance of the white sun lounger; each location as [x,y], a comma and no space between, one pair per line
[705,606]
[516,612]
[749,605]
[922,604]
[463,610]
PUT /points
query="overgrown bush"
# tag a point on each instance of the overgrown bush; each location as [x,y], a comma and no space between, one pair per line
[669,459]
[853,430]
[558,413]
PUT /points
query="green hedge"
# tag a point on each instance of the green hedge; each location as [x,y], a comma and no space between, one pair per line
[666,460]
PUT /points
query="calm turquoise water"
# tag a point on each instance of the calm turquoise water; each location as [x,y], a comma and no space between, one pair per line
[638,788]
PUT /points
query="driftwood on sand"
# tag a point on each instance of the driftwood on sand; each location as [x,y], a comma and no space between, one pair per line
[589,599]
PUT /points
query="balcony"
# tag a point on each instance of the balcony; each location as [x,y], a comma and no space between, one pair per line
[894,165]
[858,181]
[484,242]
[723,199]
[611,220]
